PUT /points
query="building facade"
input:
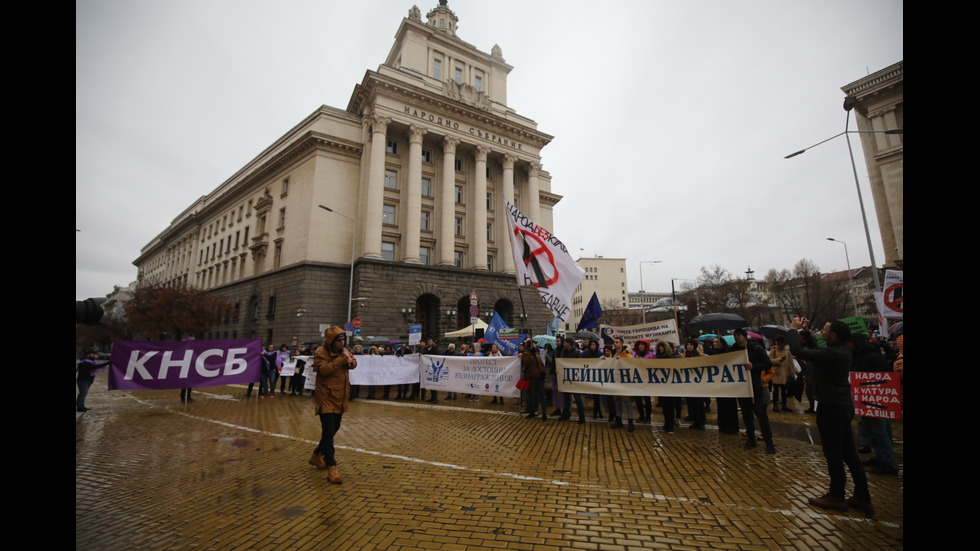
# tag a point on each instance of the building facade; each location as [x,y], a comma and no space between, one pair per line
[391,209]
[879,105]
[606,277]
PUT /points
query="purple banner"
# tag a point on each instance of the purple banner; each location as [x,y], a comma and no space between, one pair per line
[143,365]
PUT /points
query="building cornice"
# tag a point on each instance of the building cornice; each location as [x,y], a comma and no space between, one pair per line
[885,78]
[244,184]
[376,84]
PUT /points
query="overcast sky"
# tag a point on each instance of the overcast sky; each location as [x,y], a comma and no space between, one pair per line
[671,118]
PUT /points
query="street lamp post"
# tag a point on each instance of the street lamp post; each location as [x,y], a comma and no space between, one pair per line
[642,292]
[849,104]
[850,278]
[353,246]
[673,294]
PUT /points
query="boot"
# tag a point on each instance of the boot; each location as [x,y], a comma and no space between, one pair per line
[630,427]
[317,461]
[333,476]
[618,424]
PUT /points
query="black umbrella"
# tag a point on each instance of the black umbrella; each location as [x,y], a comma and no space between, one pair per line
[773,331]
[717,322]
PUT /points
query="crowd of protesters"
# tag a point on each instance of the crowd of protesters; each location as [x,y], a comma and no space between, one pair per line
[782,369]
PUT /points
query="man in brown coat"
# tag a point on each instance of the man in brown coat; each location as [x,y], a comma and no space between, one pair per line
[331,361]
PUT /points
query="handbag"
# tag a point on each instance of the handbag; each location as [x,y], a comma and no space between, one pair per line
[523,384]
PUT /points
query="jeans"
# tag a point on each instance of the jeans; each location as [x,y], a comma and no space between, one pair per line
[266,383]
[757,408]
[695,408]
[837,439]
[879,437]
[83,386]
[669,405]
[329,425]
[536,397]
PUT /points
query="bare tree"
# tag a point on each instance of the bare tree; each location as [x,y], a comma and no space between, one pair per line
[170,313]
[806,292]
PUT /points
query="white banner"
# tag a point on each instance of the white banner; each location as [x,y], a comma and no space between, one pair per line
[540,259]
[288,368]
[385,370]
[723,375]
[892,304]
[653,332]
[489,375]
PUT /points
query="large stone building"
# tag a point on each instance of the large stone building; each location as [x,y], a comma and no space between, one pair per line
[412,178]
[878,101]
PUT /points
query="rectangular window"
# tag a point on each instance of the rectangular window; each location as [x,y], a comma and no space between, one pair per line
[459,75]
[458,192]
[426,187]
[424,255]
[426,156]
[391,179]
[282,217]
[459,165]
[458,259]
[392,147]
[388,251]
[490,262]
[237,235]
[459,227]
[490,231]
[388,217]
[489,201]
[488,173]
[425,220]
[285,186]
[277,258]
[437,69]
[270,312]
[478,82]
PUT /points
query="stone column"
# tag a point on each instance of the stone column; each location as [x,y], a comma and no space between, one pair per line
[412,211]
[447,202]
[374,209]
[479,210]
[504,247]
[533,200]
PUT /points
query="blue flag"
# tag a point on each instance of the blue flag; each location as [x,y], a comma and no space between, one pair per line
[492,335]
[592,314]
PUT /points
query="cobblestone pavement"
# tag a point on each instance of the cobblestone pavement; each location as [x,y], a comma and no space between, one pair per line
[228,472]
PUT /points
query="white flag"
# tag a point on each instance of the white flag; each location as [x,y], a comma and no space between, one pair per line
[540,259]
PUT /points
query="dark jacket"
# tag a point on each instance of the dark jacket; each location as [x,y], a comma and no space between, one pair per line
[762,370]
[829,368]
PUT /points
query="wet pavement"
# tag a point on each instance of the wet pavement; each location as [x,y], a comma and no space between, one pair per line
[228,472]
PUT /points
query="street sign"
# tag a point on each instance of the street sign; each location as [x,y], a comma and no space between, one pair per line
[356,322]
[357,331]
[348,326]
[474,307]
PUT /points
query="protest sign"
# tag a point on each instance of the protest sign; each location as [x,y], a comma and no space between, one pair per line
[143,365]
[488,375]
[653,332]
[877,394]
[721,375]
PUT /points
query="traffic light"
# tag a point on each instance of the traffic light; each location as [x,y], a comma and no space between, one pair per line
[89,311]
